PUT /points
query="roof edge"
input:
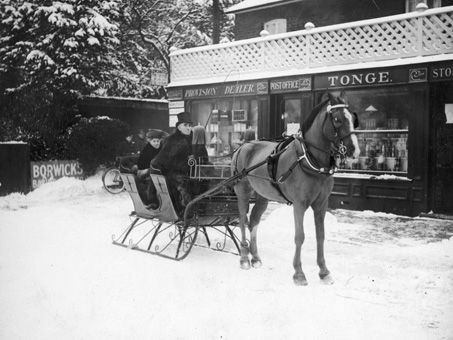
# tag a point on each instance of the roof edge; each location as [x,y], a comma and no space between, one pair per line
[233,9]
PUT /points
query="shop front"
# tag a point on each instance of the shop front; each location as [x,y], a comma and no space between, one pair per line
[405,129]
[227,111]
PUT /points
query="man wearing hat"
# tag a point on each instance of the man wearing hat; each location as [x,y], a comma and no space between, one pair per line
[173,157]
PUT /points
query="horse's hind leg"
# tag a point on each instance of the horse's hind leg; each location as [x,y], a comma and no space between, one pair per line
[242,191]
[258,210]
[299,213]
[319,215]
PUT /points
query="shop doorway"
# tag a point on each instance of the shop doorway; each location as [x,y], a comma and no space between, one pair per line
[289,111]
[442,147]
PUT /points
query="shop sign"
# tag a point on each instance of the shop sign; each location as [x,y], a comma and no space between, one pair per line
[174,93]
[417,75]
[201,92]
[228,90]
[175,107]
[441,72]
[245,89]
[43,172]
[361,78]
[290,85]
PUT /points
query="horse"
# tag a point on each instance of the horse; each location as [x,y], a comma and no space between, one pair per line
[303,178]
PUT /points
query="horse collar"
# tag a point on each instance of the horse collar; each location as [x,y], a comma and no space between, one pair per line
[329,171]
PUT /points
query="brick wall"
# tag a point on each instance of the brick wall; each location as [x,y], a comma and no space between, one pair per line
[320,12]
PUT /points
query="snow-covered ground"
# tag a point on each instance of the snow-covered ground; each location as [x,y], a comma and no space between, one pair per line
[61,278]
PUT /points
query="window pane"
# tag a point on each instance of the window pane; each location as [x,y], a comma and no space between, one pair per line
[383,129]
[291,115]
[227,123]
[275,26]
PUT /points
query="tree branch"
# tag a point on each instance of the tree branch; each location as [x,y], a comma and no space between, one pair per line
[170,35]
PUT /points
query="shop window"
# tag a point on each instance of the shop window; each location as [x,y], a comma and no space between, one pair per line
[226,123]
[275,26]
[384,116]
[412,4]
[291,116]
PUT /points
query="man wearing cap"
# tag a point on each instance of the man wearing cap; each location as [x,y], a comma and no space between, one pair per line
[173,157]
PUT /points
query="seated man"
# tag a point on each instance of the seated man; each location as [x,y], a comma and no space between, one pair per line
[173,157]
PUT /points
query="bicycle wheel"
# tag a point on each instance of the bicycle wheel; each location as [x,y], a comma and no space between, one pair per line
[112,181]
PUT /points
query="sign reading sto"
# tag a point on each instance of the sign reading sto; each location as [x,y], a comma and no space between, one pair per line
[43,172]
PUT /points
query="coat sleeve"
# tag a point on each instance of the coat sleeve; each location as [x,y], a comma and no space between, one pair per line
[163,161]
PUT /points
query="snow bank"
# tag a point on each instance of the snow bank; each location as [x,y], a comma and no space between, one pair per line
[61,189]
[61,278]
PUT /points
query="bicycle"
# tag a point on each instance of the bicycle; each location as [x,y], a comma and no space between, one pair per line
[111,178]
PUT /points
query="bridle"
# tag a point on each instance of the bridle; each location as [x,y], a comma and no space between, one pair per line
[337,145]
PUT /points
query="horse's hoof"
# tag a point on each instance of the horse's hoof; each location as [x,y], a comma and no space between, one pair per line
[256,263]
[245,264]
[300,280]
[326,279]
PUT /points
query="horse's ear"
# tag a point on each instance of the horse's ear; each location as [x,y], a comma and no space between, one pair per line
[327,96]
[343,97]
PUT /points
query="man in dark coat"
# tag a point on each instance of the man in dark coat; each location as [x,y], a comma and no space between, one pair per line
[173,157]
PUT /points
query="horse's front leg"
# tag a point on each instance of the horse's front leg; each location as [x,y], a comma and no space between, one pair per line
[319,215]
[258,210]
[299,237]
[243,205]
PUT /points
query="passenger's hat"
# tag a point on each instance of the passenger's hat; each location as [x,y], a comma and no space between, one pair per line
[156,133]
[184,117]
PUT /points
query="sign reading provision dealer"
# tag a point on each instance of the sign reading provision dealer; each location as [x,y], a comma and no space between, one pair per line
[43,172]
[228,90]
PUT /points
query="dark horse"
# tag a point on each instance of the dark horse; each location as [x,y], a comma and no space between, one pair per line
[305,178]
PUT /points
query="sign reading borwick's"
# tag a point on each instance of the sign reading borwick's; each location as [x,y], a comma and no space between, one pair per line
[43,172]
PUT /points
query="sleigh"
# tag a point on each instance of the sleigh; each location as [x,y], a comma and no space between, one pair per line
[209,220]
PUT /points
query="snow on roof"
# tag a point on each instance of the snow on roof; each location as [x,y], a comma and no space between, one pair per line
[253,4]
[149,100]
[13,142]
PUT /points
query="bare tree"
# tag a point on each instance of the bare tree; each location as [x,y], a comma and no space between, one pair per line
[159,25]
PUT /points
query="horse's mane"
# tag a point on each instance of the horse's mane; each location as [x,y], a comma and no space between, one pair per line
[311,118]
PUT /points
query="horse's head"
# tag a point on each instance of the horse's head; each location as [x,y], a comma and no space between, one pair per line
[339,125]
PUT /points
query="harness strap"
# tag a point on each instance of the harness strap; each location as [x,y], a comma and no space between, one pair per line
[272,165]
[308,164]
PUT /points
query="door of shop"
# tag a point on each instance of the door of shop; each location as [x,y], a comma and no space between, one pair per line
[442,150]
[290,110]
